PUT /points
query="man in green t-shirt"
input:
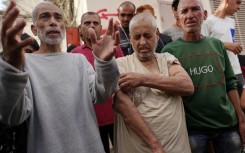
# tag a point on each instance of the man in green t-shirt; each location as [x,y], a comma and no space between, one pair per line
[213,111]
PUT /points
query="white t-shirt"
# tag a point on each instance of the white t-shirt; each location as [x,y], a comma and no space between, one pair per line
[224,30]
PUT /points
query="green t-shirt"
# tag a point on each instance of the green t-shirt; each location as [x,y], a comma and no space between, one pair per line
[208,65]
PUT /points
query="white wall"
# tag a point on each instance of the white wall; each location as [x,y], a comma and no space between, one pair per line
[165,10]
[109,8]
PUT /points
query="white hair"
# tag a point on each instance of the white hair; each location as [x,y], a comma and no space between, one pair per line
[34,11]
[141,18]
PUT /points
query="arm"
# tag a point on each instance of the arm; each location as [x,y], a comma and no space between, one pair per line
[234,97]
[236,48]
[13,98]
[178,81]
[107,76]
[133,119]
[107,73]
[14,101]
[243,99]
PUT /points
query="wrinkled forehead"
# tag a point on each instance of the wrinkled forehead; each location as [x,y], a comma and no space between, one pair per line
[47,8]
[184,4]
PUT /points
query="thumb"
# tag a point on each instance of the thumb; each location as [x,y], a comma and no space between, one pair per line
[92,35]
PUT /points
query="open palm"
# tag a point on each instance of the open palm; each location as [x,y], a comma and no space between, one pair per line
[105,47]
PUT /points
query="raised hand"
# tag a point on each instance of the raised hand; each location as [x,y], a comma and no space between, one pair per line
[105,47]
[12,45]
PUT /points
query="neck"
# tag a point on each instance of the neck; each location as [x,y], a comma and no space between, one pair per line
[220,11]
[151,65]
[192,36]
[88,43]
[45,48]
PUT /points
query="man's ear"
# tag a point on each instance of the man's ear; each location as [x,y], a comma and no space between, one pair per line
[158,34]
[34,30]
[205,14]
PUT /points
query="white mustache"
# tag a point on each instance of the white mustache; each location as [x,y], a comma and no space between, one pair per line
[53,30]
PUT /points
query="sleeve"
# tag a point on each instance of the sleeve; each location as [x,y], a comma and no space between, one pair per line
[230,78]
[171,59]
[14,102]
[106,79]
[205,29]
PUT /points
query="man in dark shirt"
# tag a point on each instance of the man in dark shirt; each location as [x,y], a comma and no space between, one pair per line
[125,14]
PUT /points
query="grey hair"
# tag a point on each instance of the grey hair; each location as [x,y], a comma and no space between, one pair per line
[34,11]
[141,18]
[200,2]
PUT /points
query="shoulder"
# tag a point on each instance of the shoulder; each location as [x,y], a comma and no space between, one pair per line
[167,58]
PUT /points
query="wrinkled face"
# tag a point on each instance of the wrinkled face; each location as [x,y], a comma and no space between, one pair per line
[49,24]
[191,15]
[90,21]
[233,6]
[125,14]
[144,39]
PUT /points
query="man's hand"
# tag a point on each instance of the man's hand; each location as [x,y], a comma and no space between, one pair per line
[106,47]
[130,80]
[236,48]
[12,46]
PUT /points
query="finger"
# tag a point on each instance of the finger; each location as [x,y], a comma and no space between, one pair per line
[115,29]
[117,39]
[123,86]
[10,18]
[92,35]
[16,29]
[9,8]
[123,75]
[26,42]
[240,48]
[114,50]
[110,27]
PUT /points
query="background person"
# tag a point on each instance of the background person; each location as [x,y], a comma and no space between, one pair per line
[125,14]
[213,112]
[104,112]
[163,39]
[148,103]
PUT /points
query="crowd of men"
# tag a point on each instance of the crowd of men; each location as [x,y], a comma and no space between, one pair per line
[140,89]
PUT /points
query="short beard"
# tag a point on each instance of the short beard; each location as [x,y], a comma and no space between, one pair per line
[50,41]
[145,56]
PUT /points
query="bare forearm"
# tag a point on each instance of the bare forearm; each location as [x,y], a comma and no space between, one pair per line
[133,119]
[180,85]
[234,97]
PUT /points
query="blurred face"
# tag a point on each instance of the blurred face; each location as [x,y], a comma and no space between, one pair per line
[90,21]
[233,6]
[144,39]
[49,25]
[125,14]
[191,15]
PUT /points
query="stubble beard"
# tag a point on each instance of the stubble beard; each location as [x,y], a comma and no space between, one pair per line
[42,34]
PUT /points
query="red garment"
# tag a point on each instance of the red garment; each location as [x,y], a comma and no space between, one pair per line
[104,112]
